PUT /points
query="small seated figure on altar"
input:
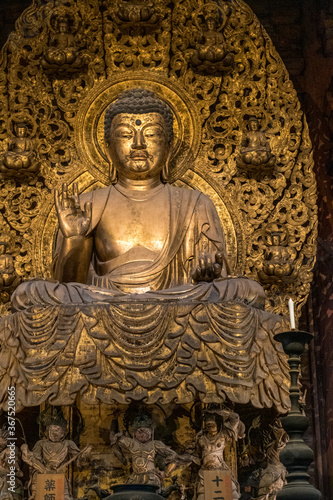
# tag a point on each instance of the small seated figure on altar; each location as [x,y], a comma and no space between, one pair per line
[52,455]
[210,53]
[220,426]
[255,149]
[61,52]
[140,234]
[143,450]
[20,158]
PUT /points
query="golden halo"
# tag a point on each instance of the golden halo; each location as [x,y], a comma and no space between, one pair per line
[89,127]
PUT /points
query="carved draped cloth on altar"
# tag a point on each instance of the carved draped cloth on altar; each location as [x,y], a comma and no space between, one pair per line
[157,350]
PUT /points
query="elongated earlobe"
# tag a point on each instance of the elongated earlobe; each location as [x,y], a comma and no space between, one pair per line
[112,174]
[165,174]
[112,170]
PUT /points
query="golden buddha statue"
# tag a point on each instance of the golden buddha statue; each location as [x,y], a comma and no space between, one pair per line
[165,236]
[144,264]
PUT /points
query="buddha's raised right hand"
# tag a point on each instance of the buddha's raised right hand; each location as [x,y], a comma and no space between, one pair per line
[208,269]
[73,221]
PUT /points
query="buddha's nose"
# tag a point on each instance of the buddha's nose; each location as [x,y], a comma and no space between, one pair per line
[138,140]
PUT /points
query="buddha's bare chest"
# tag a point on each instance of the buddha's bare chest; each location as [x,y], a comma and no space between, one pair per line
[127,225]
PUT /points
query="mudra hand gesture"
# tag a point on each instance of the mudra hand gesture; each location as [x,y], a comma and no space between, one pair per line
[207,270]
[73,221]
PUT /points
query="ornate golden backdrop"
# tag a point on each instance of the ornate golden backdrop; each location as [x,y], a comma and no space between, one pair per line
[62,104]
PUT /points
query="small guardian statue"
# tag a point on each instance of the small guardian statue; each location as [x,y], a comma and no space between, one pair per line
[273,477]
[52,455]
[143,450]
[219,426]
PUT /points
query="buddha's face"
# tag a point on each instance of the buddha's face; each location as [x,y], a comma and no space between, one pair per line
[254,125]
[63,27]
[211,24]
[138,145]
[56,433]
[21,131]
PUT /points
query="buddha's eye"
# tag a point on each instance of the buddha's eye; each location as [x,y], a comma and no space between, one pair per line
[124,134]
[153,132]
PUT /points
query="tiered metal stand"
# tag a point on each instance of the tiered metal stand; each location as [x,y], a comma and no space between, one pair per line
[296,456]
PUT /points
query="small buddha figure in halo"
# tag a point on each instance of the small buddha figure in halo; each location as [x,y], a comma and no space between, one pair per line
[255,150]
[278,262]
[52,455]
[140,235]
[210,53]
[62,50]
[220,425]
[19,158]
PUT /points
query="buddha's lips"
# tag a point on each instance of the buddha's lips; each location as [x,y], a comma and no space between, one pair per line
[139,156]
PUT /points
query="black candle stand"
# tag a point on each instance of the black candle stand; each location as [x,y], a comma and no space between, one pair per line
[296,455]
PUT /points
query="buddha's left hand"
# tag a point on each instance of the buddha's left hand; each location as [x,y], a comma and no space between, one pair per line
[208,269]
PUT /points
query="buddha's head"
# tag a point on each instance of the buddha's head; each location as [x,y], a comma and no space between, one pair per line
[253,124]
[63,25]
[21,130]
[138,135]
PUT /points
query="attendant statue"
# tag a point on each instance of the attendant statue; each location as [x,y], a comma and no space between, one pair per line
[52,455]
[62,50]
[273,477]
[143,450]
[255,150]
[210,53]
[220,426]
[19,159]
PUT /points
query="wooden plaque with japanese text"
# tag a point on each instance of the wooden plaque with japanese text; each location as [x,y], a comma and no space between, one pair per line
[217,485]
[50,487]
